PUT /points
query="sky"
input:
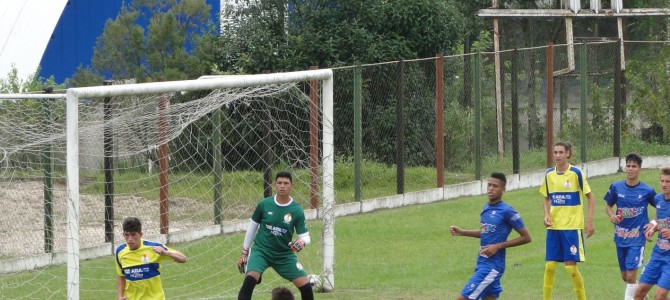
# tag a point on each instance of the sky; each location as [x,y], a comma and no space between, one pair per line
[25,29]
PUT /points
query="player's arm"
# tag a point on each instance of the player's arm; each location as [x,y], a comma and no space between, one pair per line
[610,201]
[300,227]
[611,214]
[457,231]
[650,229]
[251,233]
[664,233]
[248,238]
[589,219]
[523,238]
[174,254]
[547,212]
[120,288]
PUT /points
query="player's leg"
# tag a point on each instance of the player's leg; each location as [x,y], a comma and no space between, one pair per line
[621,259]
[485,283]
[650,276]
[663,284]
[633,258]
[642,291]
[553,254]
[573,246]
[621,254]
[256,265]
[290,269]
[576,278]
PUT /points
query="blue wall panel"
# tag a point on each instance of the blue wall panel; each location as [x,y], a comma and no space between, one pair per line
[74,37]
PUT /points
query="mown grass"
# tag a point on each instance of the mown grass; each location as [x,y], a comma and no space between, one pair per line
[404,253]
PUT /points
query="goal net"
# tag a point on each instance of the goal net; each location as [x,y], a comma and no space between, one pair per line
[190,159]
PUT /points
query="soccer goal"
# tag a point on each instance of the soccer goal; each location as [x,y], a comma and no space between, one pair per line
[189,158]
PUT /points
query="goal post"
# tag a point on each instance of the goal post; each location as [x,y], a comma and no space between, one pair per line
[148,118]
[74,95]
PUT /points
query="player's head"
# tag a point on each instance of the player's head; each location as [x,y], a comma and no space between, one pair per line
[132,232]
[284,174]
[633,165]
[562,152]
[634,158]
[665,180]
[496,186]
[282,293]
[283,183]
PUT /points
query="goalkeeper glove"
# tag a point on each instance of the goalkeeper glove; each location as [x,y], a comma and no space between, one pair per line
[297,245]
[242,261]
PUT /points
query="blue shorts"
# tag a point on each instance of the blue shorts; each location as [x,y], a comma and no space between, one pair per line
[484,283]
[565,245]
[630,258]
[656,272]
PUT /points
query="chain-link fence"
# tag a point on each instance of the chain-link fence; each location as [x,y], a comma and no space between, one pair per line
[488,127]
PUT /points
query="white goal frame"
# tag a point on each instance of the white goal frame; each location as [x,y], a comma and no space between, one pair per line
[74,95]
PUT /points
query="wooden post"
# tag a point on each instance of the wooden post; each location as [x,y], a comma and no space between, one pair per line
[314,141]
[358,133]
[550,105]
[400,128]
[163,165]
[439,119]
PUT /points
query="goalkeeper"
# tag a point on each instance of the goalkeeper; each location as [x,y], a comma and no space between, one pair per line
[271,228]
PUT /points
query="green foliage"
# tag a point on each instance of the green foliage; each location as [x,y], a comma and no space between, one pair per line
[599,127]
[32,83]
[263,36]
[648,29]
[174,46]
[484,42]
[458,137]
[85,77]
[650,86]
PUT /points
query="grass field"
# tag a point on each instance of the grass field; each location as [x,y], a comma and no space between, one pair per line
[404,253]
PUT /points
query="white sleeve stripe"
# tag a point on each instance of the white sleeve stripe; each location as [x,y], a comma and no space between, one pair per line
[305,237]
[251,233]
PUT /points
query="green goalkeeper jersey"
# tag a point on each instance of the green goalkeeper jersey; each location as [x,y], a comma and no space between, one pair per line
[277,224]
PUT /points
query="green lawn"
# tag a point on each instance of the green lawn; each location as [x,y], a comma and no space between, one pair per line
[404,253]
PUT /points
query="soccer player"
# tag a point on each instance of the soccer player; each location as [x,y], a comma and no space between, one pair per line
[631,197]
[138,264]
[657,270]
[564,189]
[497,220]
[271,228]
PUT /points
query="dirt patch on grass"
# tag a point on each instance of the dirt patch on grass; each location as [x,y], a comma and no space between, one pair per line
[22,211]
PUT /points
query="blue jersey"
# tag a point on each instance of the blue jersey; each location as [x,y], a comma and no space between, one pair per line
[662,249]
[631,208]
[497,221]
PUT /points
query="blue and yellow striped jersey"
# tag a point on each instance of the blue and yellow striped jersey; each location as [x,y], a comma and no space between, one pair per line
[141,268]
[566,193]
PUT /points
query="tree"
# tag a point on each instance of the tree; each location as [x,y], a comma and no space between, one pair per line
[270,35]
[31,84]
[171,46]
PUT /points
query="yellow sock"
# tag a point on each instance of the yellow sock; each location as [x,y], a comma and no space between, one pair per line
[548,287]
[577,281]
